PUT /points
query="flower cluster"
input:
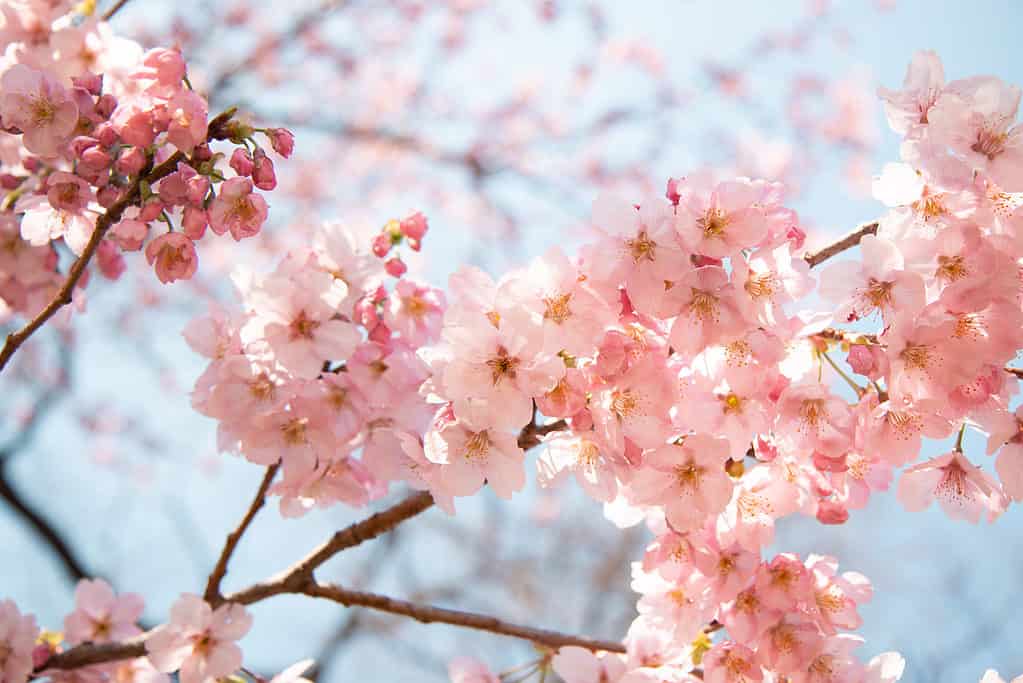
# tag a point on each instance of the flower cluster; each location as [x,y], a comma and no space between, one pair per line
[320,371]
[86,116]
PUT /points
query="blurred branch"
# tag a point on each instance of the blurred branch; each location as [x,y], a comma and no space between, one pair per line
[108,15]
[46,532]
[212,593]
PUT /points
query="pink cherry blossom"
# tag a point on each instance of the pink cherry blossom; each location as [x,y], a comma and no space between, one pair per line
[721,220]
[729,662]
[37,105]
[199,642]
[173,256]
[962,489]
[17,636]
[237,209]
[469,670]
[909,108]
[578,665]
[100,616]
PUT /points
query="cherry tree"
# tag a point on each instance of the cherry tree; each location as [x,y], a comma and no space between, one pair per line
[700,367]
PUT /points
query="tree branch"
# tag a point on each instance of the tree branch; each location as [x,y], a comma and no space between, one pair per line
[69,560]
[108,15]
[301,572]
[216,131]
[428,614]
[814,258]
[212,593]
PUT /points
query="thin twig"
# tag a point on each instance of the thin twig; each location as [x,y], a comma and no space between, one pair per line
[108,15]
[814,258]
[212,593]
[429,614]
[103,224]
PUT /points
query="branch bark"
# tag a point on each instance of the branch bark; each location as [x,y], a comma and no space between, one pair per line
[815,258]
[212,593]
[428,614]
[216,131]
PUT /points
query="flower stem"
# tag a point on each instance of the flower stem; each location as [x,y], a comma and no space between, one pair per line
[855,387]
[959,438]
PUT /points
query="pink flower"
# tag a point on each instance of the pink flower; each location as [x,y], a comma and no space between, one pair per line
[887,667]
[747,617]
[812,418]
[878,283]
[721,220]
[282,140]
[187,111]
[293,674]
[1006,433]
[962,489]
[198,642]
[834,663]
[17,637]
[908,109]
[471,455]
[100,616]
[974,117]
[992,676]
[173,255]
[836,595]
[679,605]
[784,583]
[237,209]
[582,456]
[729,662]
[579,665]
[894,430]
[761,497]
[687,478]
[166,68]
[707,308]
[296,315]
[469,670]
[129,233]
[416,312]
[635,407]
[39,107]
[790,645]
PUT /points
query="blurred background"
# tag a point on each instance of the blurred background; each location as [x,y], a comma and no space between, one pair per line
[501,121]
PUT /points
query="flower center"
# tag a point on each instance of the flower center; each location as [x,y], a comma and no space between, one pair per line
[303,327]
[294,431]
[557,309]
[713,223]
[502,365]
[477,446]
[990,143]
[642,247]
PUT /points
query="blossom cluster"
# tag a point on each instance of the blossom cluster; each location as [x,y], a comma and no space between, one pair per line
[85,116]
[319,370]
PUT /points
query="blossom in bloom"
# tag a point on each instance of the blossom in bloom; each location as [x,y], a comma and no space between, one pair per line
[790,645]
[187,111]
[469,670]
[635,406]
[908,109]
[295,314]
[721,220]
[707,308]
[963,490]
[38,106]
[173,256]
[1006,433]
[237,209]
[878,283]
[100,616]
[687,478]
[729,662]
[471,453]
[17,637]
[834,663]
[582,456]
[579,665]
[415,311]
[199,642]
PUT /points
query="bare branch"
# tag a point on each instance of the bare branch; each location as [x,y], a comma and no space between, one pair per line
[86,655]
[73,565]
[212,593]
[109,14]
[428,614]
[216,130]
[815,258]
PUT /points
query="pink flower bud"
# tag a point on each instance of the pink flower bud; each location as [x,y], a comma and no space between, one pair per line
[241,161]
[282,141]
[173,256]
[202,152]
[194,222]
[672,192]
[131,161]
[414,227]
[108,196]
[366,313]
[395,267]
[96,158]
[90,83]
[381,244]
[82,143]
[110,260]
[105,106]
[129,234]
[263,171]
[830,512]
[8,181]
[41,653]
[151,210]
[381,334]
[107,135]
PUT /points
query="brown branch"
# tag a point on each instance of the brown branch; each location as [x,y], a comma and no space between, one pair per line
[86,655]
[1015,372]
[212,593]
[301,572]
[428,614]
[217,130]
[108,15]
[531,434]
[48,534]
[815,258]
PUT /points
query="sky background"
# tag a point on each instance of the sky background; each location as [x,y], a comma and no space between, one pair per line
[946,593]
